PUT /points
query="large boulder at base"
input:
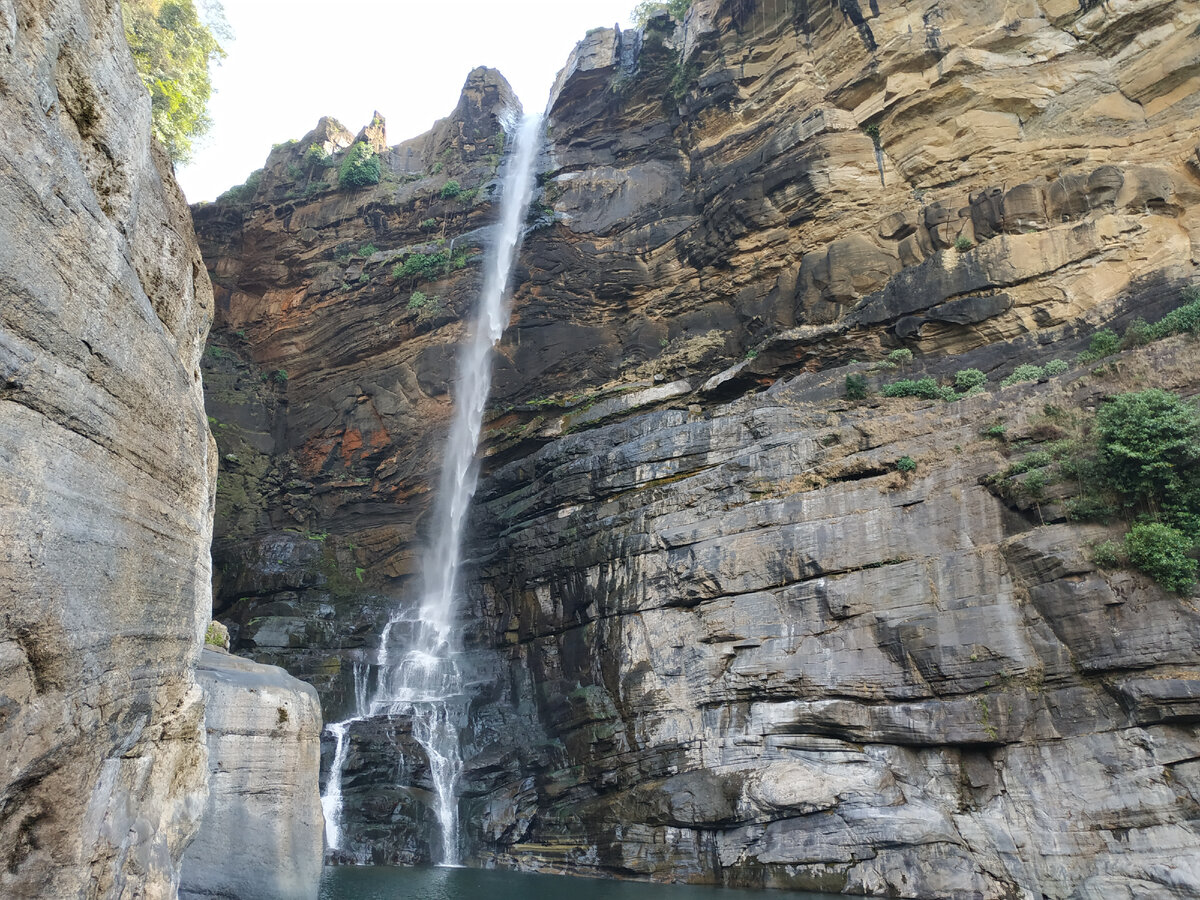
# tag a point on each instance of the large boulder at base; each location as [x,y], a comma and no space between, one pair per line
[262,832]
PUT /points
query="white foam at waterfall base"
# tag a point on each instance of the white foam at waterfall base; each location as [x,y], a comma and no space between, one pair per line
[419,676]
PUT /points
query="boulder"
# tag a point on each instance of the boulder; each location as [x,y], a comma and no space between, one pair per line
[261,834]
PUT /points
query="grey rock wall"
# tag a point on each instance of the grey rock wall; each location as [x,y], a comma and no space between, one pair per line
[106,470]
[739,646]
[262,833]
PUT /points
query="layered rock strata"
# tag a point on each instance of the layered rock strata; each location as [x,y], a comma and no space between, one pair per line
[262,832]
[106,470]
[718,636]
[747,648]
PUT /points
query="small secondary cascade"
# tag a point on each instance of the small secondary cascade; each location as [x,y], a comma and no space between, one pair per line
[419,674]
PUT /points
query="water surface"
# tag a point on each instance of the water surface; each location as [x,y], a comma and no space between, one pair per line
[386,883]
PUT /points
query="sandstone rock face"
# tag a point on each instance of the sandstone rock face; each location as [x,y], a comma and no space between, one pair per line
[718,635]
[106,471]
[262,832]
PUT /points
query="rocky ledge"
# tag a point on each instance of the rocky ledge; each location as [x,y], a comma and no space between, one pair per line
[262,832]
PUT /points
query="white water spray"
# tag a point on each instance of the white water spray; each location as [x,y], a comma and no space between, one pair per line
[419,674]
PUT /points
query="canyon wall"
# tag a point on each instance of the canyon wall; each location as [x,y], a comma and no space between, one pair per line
[106,470]
[729,624]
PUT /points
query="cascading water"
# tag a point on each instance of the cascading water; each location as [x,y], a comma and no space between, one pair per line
[331,800]
[419,675]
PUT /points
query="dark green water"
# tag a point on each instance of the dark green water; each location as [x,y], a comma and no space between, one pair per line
[385,883]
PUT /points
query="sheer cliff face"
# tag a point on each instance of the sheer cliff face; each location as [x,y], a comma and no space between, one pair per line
[722,637]
[105,481]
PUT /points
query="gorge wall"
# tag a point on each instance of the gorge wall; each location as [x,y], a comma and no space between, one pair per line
[106,470]
[719,633]
[107,484]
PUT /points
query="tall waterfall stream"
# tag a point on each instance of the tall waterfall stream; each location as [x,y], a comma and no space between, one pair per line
[419,675]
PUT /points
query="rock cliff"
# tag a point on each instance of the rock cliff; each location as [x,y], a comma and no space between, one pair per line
[262,832]
[730,625]
[106,470]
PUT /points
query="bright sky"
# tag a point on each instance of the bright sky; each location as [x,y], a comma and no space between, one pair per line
[292,61]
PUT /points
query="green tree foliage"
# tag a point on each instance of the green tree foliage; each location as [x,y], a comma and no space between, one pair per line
[969,379]
[359,168]
[1145,466]
[644,11]
[1163,553]
[856,387]
[1150,447]
[173,50]
[243,193]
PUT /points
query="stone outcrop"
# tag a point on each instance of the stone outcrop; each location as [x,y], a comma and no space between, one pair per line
[262,832]
[106,470]
[720,636]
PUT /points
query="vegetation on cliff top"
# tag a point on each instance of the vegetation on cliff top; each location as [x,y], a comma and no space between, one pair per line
[644,11]
[359,168]
[173,50]
[1136,460]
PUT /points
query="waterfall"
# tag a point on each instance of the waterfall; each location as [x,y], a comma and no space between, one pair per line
[331,800]
[419,675]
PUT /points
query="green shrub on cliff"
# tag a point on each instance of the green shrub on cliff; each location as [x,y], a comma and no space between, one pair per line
[316,155]
[359,168]
[173,50]
[1150,448]
[1163,553]
[647,9]
[967,380]
[243,193]
[1023,372]
[1103,343]
[856,387]
[428,266]
[1184,319]
[1141,462]
[925,388]
[217,635]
